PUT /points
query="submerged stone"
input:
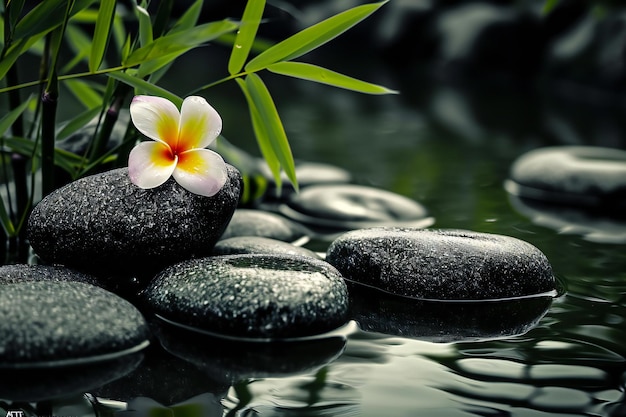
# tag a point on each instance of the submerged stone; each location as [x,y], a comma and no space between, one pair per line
[54,323]
[589,176]
[105,225]
[250,222]
[442,264]
[259,245]
[251,296]
[349,206]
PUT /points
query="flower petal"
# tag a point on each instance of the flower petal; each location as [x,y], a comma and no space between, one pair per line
[150,164]
[201,171]
[200,124]
[156,117]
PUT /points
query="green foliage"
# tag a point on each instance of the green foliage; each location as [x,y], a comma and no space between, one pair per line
[110,63]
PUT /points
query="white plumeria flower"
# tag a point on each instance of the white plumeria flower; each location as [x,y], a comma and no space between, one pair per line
[178,146]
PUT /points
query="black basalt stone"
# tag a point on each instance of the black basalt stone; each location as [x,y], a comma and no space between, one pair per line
[250,222]
[13,273]
[105,225]
[259,245]
[442,264]
[350,206]
[55,323]
[583,176]
[251,296]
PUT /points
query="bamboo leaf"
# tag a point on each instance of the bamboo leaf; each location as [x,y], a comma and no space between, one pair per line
[179,42]
[246,34]
[145,25]
[312,37]
[269,118]
[46,16]
[78,122]
[87,95]
[325,76]
[101,33]
[261,134]
[5,220]
[189,19]
[7,121]
[144,87]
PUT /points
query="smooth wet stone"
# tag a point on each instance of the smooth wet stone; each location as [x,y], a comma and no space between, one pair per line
[10,274]
[259,245]
[105,225]
[251,296]
[575,175]
[349,206]
[250,222]
[442,264]
[53,323]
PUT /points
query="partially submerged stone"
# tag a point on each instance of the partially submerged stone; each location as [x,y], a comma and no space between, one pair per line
[250,222]
[442,264]
[12,273]
[55,323]
[105,225]
[251,296]
[589,176]
[259,245]
[349,206]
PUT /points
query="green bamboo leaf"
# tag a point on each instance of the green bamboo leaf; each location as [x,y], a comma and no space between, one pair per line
[268,116]
[7,121]
[46,16]
[101,33]
[87,95]
[80,44]
[312,37]
[246,34]
[15,51]
[325,76]
[145,24]
[179,42]
[5,220]
[78,122]
[261,134]
[144,87]
[189,19]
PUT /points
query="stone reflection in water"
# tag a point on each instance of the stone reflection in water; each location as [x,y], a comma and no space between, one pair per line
[442,322]
[592,226]
[230,360]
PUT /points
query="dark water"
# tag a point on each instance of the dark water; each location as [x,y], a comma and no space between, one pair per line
[449,147]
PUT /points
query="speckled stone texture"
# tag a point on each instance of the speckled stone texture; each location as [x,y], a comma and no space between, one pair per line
[442,264]
[575,175]
[260,245]
[252,296]
[48,321]
[105,225]
[249,222]
[10,274]
[351,206]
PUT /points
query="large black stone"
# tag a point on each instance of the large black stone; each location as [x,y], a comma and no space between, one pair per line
[251,296]
[442,264]
[54,323]
[13,273]
[105,225]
